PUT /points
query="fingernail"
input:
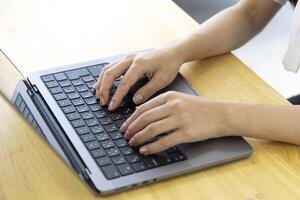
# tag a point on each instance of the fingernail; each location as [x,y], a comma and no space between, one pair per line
[143,150]
[111,106]
[102,101]
[137,99]
[123,127]
[126,135]
[132,142]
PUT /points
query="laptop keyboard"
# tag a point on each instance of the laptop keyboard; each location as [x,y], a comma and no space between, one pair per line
[24,110]
[98,128]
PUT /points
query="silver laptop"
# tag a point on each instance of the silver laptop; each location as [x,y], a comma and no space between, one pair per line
[60,105]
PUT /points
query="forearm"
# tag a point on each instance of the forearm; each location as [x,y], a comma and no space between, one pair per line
[271,122]
[227,30]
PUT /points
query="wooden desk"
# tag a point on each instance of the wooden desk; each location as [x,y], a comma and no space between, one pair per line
[39,34]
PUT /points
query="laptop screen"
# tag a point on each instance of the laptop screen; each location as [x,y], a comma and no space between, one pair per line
[9,76]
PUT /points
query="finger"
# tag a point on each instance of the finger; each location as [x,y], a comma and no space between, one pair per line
[129,79]
[152,130]
[109,76]
[146,119]
[163,143]
[97,84]
[145,92]
[155,102]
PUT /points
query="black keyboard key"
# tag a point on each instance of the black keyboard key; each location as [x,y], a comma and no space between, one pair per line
[139,166]
[112,152]
[77,102]
[65,102]
[95,107]
[82,108]
[83,130]
[60,76]
[51,84]
[48,78]
[150,162]
[92,122]
[82,88]
[55,90]
[76,73]
[26,112]
[116,116]
[107,144]
[98,153]
[163,158]
[121,143]
[102,136]
[93,145]
[64,83]
[30,118]
[95,70]
[103,161]
[77,82]
[110,172]
[133,158]
[73,95]
[87,138]
[73,116]
[125,169]
[91,100]
[90,84]
[178,156]
[105,120]
[116,135]
[86,94]
[172,150]
[18,101]
[22,106]
[77,123]
[34,124]
[120,122]
[68,109]
[69,89]
[100,114]
[128,110]
[117,160]
[96,129]
[110,128]
[87,115]
[60,96]
[126,150]
[87,78]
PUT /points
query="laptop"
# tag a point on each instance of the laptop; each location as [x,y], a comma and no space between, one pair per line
[60,105]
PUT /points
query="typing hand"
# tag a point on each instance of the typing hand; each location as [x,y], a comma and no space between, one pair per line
[160,66]
[187,118]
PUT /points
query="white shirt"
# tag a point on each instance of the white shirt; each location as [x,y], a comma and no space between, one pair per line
[291,59]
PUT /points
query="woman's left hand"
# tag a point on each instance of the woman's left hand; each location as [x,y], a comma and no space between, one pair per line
[187,118]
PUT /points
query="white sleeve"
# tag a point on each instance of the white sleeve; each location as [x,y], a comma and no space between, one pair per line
[281,2]
[291,60]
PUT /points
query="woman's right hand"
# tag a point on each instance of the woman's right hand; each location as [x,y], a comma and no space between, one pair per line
[160,66]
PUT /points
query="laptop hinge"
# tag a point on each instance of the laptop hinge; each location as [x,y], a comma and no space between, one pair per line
[74,159]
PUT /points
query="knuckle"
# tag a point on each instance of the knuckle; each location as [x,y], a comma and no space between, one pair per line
[166,142]
[170,94]
[139,60]
[151,128]
[145,117]
[107,72]
[130,56]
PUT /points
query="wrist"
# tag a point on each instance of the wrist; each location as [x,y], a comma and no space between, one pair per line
[233,118]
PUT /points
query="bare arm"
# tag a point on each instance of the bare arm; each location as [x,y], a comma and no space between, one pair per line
[271,122]
[227,30]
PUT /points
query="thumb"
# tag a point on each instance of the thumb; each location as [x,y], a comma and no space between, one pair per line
[145,92]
